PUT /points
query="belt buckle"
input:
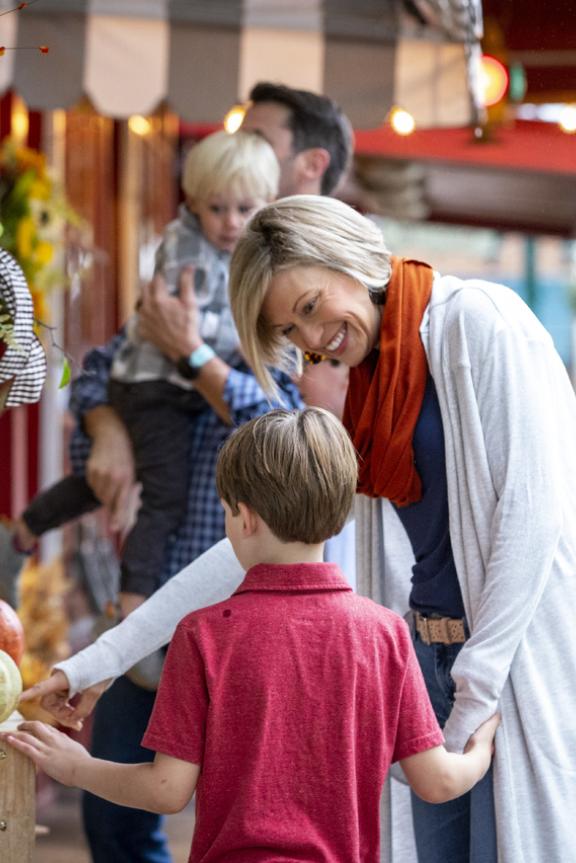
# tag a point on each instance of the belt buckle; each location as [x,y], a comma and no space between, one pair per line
[423,628]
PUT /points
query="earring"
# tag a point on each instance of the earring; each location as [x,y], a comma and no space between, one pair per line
[312,358]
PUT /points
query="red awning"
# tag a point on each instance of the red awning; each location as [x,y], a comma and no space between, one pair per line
[522,146]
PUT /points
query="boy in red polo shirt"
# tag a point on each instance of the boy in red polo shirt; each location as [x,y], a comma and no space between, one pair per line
[285,705]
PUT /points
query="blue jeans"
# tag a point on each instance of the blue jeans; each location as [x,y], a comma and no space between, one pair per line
[462,830]
[117,834]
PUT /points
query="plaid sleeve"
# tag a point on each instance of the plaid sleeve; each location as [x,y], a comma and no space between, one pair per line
[90,388]
[246,398]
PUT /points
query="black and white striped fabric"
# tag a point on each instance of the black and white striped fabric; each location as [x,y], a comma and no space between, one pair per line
[22,358]
[202,56]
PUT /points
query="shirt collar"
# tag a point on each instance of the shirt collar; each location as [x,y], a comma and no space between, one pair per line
[293,578]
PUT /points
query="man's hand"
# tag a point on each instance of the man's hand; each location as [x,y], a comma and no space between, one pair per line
[170,322]
[53,695]
[51,750]
[110,471]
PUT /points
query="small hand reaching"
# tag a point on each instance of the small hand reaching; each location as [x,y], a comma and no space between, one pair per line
[50,750]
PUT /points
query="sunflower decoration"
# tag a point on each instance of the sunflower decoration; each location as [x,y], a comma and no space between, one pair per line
[33,215]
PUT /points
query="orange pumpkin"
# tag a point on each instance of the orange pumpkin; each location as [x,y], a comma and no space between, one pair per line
[11,632]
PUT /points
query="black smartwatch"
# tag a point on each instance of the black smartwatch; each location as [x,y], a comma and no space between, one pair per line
[190,366]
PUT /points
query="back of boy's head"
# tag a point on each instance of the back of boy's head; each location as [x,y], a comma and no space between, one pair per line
[315,121]
[296,469]
[242,164]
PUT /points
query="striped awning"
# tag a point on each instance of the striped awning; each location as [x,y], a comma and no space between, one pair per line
[201,56]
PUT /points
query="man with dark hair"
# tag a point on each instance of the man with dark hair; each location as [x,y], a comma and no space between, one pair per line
[310,135]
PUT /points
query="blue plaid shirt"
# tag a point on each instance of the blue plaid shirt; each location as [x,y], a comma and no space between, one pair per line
[204,521]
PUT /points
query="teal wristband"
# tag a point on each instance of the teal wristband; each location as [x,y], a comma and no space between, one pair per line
[200,356]
[189,367]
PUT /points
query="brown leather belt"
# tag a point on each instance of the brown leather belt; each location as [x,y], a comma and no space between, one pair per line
[440,630]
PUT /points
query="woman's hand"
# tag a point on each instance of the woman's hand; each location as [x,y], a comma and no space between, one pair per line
[50,750]
[170,322]
[483,737]
[54,696]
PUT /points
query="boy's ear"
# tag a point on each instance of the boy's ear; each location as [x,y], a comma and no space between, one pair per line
[250,519]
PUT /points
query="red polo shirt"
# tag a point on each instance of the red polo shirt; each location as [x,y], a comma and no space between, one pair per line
[294,695]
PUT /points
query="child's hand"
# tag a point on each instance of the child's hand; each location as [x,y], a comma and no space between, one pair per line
[484,736]
[50,750]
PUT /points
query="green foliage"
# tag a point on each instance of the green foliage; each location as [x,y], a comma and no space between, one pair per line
[66,374]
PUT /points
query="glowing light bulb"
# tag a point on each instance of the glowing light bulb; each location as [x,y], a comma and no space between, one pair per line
[493,80]
[139,125]
[567,121]
[401,121]
[234,118]
[19,121]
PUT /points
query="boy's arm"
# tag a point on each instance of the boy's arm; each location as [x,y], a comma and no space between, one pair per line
[165,786]
[438,776]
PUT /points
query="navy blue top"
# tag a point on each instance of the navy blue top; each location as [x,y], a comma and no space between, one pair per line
[435,588]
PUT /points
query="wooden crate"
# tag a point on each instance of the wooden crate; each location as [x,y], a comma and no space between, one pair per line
[17,801]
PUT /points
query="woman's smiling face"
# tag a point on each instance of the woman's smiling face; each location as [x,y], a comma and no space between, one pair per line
[323,311]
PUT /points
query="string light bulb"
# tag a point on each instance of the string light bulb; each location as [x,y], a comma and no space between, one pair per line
[139,125]
[234,118]
[401,121]
[567,121]
[493,80]
[19,121]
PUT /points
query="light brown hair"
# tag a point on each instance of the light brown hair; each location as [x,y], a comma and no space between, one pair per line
[296,469]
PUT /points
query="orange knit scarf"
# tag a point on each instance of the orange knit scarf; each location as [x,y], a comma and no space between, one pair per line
[386,390]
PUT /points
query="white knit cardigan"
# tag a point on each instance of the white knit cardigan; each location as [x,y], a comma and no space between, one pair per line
[509,417]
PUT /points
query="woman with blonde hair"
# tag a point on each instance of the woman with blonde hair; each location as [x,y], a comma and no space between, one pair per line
[464,420]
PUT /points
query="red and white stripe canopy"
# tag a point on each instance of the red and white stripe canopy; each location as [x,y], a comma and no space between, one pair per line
[201,56]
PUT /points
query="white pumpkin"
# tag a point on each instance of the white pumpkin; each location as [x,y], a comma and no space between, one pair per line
[10,685]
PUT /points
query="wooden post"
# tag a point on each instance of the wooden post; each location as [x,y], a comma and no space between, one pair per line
[17,801]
